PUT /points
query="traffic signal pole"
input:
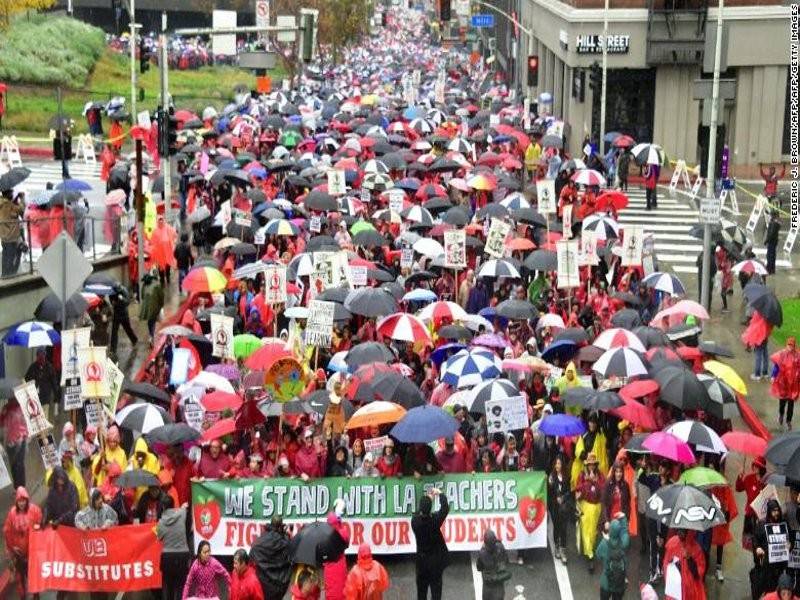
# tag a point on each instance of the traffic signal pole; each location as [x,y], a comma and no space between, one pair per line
[166,168]
[132,44]
[603,89]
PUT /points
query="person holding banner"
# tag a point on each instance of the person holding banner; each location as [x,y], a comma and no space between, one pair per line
[98,515]
[24,517]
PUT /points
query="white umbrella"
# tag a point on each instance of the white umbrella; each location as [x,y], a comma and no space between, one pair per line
[428,247]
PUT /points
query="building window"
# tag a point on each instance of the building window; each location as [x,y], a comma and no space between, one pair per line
[630,103]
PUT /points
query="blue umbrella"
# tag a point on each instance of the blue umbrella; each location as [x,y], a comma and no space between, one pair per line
[563,349]
[490,314]
[32,334]
[469,368]
[420,295]
[74,185]
[424,424]
[562,425]
[442,353]
[413,112]
[42,197]
[101,289]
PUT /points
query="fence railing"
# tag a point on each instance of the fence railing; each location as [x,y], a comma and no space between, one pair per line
[23,241]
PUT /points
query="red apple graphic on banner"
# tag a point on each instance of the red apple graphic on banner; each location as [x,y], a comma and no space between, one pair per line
[206,516]
[532,509]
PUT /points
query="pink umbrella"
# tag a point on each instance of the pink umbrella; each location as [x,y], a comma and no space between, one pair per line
[678,311]
[459,184]
[510,364]
[115,198]
[669,446]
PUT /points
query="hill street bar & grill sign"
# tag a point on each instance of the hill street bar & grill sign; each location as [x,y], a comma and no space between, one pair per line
[231,514]
[593,44]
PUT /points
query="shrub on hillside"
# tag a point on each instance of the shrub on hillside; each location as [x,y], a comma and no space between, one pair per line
[49,50]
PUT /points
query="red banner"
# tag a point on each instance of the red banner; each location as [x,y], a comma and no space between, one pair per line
[120,559]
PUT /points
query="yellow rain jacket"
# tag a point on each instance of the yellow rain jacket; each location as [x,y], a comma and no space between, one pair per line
[150,463]
[598,449]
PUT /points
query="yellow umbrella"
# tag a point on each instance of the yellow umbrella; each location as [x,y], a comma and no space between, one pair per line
[727,374]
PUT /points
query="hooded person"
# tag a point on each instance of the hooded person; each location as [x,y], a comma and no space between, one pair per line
[784,591]
[61,502]
[339,466]
[175,552]
[23,517]
[771,546]
[432,553]
[98,515]
[493,564]
[611,551]
[786,380]
[244,581]
[683,550]
[270,554]
[368,579]
[592,441]
[70,440]
[112,453]
[335,572]
[145,460]
[75,476]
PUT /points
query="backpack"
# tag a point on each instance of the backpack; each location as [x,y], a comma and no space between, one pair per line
[615,569]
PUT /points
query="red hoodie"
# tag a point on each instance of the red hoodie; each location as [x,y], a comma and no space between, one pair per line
[246,585]
[335,572]
[18,525]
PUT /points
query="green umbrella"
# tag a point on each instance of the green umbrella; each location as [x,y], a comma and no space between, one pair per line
[359,226]
[701,477]
[290,138]
[245,344]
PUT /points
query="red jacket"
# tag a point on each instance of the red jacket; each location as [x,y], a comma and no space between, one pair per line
[751,485]
[787,382]
[18,525]
[389,470]
[335,572]
[246,586]
[691,586]
[308,461]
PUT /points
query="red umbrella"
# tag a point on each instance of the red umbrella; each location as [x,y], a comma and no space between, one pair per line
[639,389]
[430,190]
[623,141]
[184,115]
[490,159]
[249,415]
[745,443]
[505,129]
[689,352]
[217,401]
[263,358]
[612,199]
[636,413]
[217,430]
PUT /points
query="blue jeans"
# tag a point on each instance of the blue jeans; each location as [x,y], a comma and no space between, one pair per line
[762,360]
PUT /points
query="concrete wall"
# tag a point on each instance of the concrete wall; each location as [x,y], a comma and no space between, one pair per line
[760,109]
[20,296]
[676,114]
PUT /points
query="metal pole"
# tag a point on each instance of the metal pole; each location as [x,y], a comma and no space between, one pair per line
[166,168]
[63,214]
[530,53]
[132,42]
[139,202]
[605,75]
[705,283]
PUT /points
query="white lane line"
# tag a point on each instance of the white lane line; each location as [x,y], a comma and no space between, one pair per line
[562,575]
[477,580]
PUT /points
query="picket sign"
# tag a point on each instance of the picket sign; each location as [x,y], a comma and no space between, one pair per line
[86,149]
[9,151]
[790,238]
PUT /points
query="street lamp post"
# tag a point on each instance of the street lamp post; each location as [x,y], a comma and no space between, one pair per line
[132,43]
[705,283]
[603,90]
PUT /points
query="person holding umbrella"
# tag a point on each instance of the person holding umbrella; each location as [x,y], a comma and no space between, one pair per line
[432,552]
[683,551]
[786,380]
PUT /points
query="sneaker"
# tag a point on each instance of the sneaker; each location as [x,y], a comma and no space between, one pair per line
[563,556]
[720,576]
[520,561]
[557,553]
[755,377]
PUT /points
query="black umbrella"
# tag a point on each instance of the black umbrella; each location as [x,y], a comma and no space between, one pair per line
[769,307]
[680,387]
[157,185]
[12,178]
[572,334]
[784,451]
[455,332]
[145,391]
[62,197]
[172,433]
[321,399]
[315,544]
[394,387]
[651,336]
[529,216]
[436,204]
[256,195]
[418,276]
[541,260]
[596,400]
[243,249]
[137,478]
[627,318]
[370,302]
[321,201]
[516,309]
[635,443]
[715,349]
[292,407]
[680,506]
[368,352]
[627,298]
[395,289]
[722,398]
[369,238]
[102,279]
[455,216]
[321,243]
[380,275]
[50,307]
[335,294]
[493,210]
[238,177]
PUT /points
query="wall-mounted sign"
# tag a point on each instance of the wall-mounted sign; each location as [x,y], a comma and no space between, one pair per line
[593,44]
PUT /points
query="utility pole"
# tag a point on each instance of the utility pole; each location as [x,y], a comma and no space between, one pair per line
[603,92]
[164,62]
[705,283]
[132,43]
[138,197]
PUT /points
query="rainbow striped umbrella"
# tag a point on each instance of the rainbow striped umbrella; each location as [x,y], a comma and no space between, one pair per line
[204,279]
[482,182]
[281,227]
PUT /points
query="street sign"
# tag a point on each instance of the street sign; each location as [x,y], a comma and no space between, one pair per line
[262,15]
[710,210]
[224,44]
[483,20]
[286,21]
[703,89]
[257,60]
[64,267]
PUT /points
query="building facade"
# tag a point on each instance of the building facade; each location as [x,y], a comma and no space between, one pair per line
[657,49]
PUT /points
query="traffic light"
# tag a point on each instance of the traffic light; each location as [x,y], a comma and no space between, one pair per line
[172,131]
[308,31]
[596,77]
[533,70]
[444,10]
[162,135]
[144,58]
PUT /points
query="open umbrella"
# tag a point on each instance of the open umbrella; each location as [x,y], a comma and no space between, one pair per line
[395,387]
[315,544]
[723,403]
[618,338]
[424,424]
[620,362]
[245,344]
[680,387]
[145,391]
[172,433]
[669,446]
[635,413]
[137,478]
[379,412]
[727,374]
[32,334]
[784,451]
[142,417]
[469,368]
[495,389]
[50,308]
[745,443]
[702,477]
[13,177]
[516,310]
[698,434]
[370,302]
[562,425]
[404,327]
[204,279]
[541,260]
[368,352]
[681,506]
[665,282]
[218,401]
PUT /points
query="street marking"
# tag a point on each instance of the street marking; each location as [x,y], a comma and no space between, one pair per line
[477,580]
[562,575]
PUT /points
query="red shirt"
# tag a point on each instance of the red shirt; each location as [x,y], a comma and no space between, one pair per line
[751,485]
[182,473]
